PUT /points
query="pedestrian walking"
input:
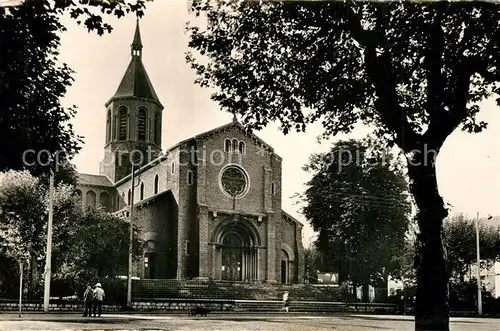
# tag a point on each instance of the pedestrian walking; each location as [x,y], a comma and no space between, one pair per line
[98,299]
[88,296]
[286,301]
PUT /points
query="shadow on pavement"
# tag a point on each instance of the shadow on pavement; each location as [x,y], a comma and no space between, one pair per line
[398,318]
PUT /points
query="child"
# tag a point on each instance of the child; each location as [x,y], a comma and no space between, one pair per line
[286,301]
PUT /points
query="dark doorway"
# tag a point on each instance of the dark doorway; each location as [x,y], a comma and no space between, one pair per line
[150,265]
[283,272]
[232,258]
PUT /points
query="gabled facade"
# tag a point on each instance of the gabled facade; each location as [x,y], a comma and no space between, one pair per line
[209,207]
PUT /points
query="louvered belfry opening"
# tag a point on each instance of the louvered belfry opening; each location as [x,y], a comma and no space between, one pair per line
[122,135]
[141,124]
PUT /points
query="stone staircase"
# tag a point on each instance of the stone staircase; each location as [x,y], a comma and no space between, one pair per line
[261,306]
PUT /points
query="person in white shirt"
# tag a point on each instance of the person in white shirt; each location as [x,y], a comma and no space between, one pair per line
[286,301]
[98,299]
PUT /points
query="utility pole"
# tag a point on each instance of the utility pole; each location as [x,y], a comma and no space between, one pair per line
[48,257]
[20,285]
[478,273]
[131,240]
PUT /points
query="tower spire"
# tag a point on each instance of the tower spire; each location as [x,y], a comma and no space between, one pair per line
[137,44]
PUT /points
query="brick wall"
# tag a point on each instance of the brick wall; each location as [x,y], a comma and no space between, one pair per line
[252,162]
[157,221]
[112,165]
[98,191]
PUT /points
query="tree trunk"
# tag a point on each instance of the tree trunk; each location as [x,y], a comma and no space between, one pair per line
[34,275]
[431,310]
[366,292]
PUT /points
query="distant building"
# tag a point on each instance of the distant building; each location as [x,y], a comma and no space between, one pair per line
[208,207]
[490,278]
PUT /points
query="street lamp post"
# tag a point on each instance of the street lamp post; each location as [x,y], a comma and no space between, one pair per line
[48,257]
[478,271]
[131,240]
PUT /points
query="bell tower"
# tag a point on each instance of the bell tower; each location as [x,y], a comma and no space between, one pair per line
[133,120]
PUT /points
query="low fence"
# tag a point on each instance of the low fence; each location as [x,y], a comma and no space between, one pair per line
[54,306]
[157,289]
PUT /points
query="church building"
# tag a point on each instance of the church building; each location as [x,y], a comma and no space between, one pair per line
[209,206]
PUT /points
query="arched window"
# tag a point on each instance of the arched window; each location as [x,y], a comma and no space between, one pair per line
[227,145]
[104,201]
[117,202]
[122,135]
[142,191]
[157,128]
[129,197]
[141,124]
[78,194]
[235,145]
[108,127]
[242,147]
[156,184]
[115,127]
[91,199]
[151,128]
[190,177]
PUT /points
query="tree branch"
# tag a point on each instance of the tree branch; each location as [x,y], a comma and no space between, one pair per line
[440,127]
[381,73]
[434,64]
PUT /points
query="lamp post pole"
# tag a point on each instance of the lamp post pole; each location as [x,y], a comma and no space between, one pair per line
[48,257]
[20,285]
[131,240]
[478,272]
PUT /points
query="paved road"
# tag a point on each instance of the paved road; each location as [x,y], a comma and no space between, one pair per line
[227,322]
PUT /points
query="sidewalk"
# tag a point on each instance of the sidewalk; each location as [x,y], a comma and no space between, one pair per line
[63,317]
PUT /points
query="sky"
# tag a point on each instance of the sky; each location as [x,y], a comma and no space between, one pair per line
[468,167]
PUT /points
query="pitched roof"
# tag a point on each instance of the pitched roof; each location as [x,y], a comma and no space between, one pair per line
[137,44]
[145,202]
[287,215]
[201,136]
[93,180]
[136,82]
[233,123]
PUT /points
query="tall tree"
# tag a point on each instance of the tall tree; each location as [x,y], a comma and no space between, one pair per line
[415,71]
[312,263]
[357,201]
[24,214]
[100,244]
[85,244]
[33,81]
[460,240]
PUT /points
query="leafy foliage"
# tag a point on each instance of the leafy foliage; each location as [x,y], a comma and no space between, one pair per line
[460,239]
[99,248]
[339,59]
[33,81]
[414,71]
[86,244]
[23,214]
[312,263]
[357,201]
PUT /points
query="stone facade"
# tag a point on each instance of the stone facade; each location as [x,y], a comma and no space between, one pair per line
[208,207]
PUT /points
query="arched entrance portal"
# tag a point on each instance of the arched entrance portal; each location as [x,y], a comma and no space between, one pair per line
[285,261]
[232,257]
[236,250]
